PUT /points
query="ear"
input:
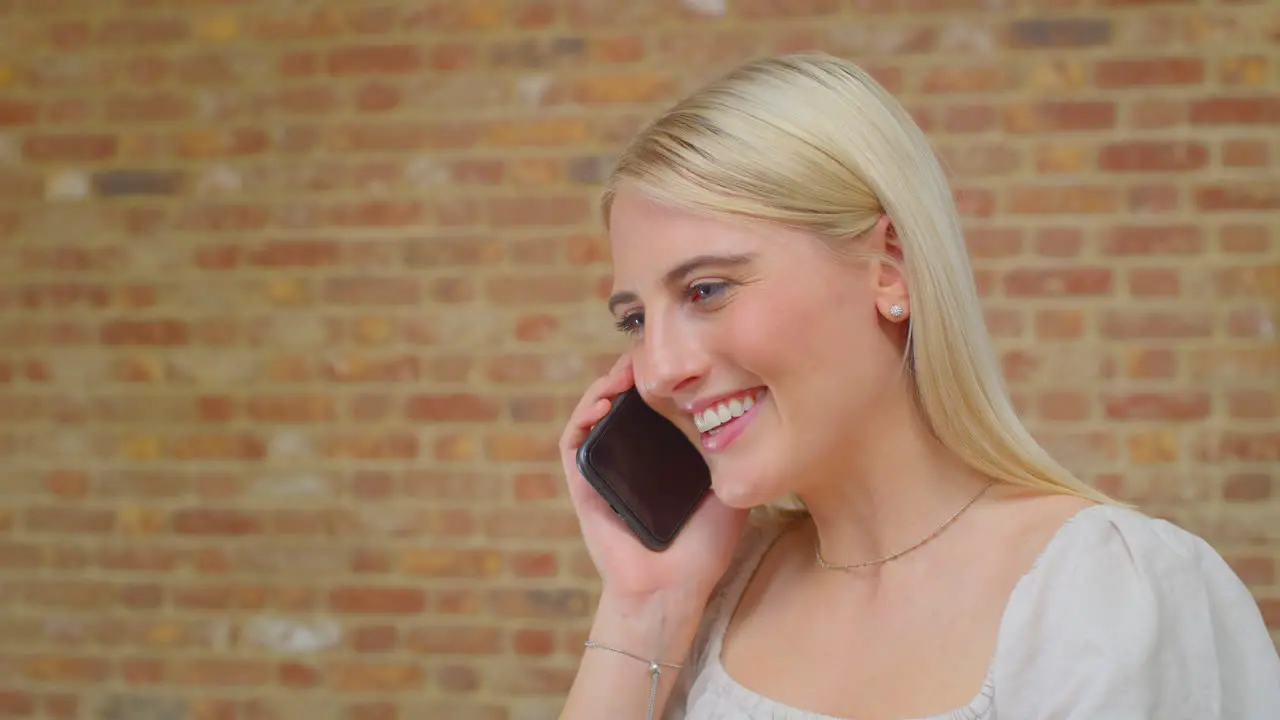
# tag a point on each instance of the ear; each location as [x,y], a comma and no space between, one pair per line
[888,278]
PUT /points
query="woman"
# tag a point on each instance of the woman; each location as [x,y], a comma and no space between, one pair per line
[787,235]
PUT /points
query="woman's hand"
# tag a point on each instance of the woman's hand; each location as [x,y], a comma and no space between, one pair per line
[688,570]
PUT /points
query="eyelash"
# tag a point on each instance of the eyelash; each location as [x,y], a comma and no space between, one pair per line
[631,322]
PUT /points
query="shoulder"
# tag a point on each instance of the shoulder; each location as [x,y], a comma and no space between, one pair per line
[1123,611]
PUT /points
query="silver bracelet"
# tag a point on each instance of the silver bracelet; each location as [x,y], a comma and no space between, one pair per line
[655,669]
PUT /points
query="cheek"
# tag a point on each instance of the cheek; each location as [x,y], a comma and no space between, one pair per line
[786,334]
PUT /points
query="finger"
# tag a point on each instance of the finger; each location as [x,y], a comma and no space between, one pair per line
[622,377]
[581,423]
[592,394]
[605,387]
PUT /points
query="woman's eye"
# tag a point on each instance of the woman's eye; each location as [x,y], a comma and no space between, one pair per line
[631,323]
[705,291]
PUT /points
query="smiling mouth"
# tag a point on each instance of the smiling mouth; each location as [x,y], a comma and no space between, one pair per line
[712,420]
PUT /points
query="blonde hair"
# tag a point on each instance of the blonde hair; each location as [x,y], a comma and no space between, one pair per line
[811,141]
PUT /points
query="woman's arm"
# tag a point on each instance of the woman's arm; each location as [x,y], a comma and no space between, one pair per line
[615,686]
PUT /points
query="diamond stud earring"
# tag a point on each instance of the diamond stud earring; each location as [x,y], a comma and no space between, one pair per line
[896,312]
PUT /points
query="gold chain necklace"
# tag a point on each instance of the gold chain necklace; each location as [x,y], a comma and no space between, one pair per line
[832,566]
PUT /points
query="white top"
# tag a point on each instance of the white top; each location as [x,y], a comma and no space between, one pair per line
[1122,616]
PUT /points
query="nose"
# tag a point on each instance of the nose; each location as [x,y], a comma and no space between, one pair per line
[670,360]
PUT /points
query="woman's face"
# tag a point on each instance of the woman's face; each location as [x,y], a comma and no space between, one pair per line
[765,347]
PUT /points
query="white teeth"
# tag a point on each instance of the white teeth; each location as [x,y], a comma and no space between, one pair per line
[714,417]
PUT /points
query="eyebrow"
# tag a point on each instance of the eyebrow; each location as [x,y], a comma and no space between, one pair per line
[677,273]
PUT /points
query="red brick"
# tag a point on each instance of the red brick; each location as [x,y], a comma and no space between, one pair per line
[1063,200]
[372,291]
[68,520]
[967,118]
[455,640]
[962,79]
[532,642]
[15,112]
[375,638]
[374,60]
[533,564]
[373,600]
[536,328]
[48,668]
[17,703]
[522,289]
[1242,195]
[1236,111]
[451,563]
[452,56]
[1059,32]
[20,555]
[447,408]
[1246,487]
[135,31]
[1148,72]
[218,673]
[617,48]
[1239,446]
[216,522]
[1065,406]
[1126,324]
[370,678]
[294,674]
[291,409]
[1060,157]
[1153,240]
[457,679]
[291,254]
[1152,156]
[372,711]
[151,107]
[536,486]
[1190,405]
[1076,281]
[1249,282]
[1153,198]
[762,9]
[1243,238]
[1059,324]
[369,446]
[1245,153]
[70,148]
[1061,116]
[1253,405]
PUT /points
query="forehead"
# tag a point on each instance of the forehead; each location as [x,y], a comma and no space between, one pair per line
[648,238]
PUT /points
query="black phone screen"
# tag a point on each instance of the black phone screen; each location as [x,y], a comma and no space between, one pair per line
[646,468]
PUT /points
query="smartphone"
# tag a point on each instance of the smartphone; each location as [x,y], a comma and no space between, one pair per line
[645,468]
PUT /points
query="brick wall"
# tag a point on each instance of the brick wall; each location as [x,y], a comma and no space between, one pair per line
[297,295]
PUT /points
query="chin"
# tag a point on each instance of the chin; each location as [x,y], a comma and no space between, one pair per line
[746,488]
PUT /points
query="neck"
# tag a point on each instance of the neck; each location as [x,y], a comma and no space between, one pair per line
[889,492]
